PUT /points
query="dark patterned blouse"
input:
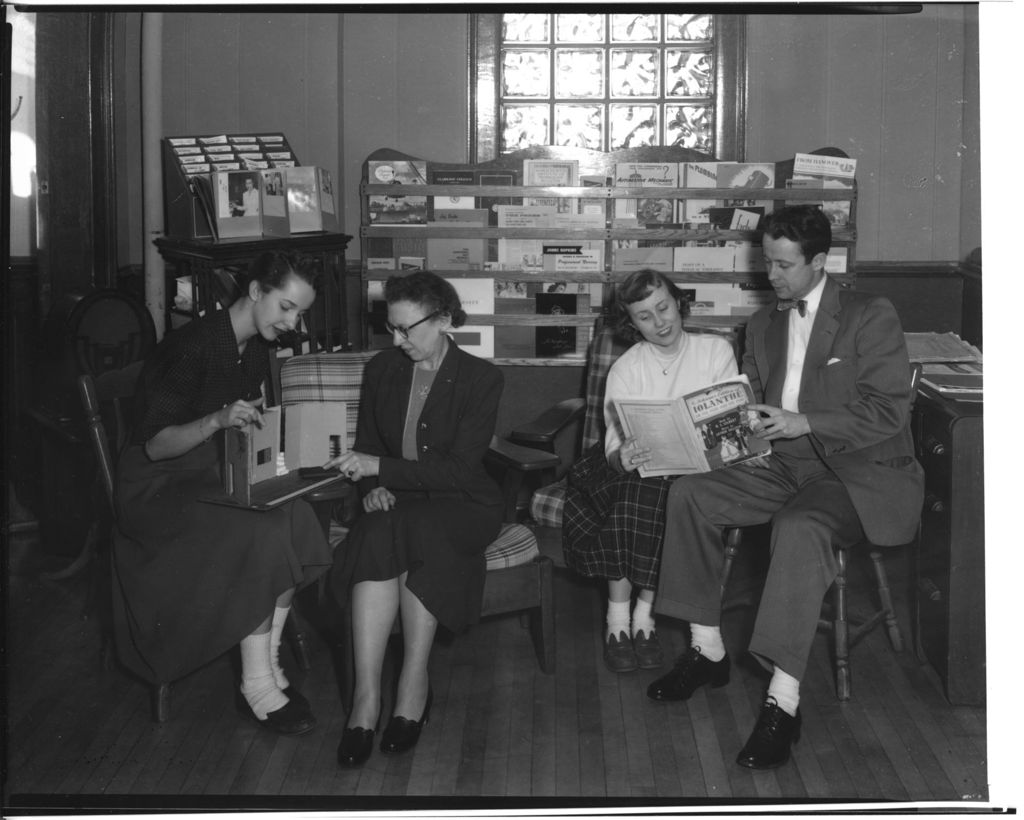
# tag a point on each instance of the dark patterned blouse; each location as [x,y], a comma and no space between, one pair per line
[197,370]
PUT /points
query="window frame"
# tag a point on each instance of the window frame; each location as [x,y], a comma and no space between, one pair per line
[730,86]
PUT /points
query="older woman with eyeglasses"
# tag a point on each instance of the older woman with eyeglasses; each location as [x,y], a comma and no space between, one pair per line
[426,419]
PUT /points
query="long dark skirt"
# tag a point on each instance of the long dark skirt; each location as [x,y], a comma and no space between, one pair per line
[440,542]
[613,524]
[195,578]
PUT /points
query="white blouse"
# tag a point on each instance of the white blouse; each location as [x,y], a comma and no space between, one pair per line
[642,372]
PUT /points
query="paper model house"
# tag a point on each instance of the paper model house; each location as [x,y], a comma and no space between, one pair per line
[314,433]
[250,455]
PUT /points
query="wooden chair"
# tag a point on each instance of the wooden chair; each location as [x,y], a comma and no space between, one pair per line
[845,633]
[114,390]
[518,578]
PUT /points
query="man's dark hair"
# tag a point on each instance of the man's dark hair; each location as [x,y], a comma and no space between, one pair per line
[806,225]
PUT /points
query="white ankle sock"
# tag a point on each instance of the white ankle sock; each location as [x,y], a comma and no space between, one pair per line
[786,691]
[617,619]
[276,628]
[709,640]
[642,618]
[258,687]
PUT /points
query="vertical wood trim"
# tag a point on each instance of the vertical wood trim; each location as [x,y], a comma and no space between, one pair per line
[484,87]
[104,164]
[731,86]
[5,146]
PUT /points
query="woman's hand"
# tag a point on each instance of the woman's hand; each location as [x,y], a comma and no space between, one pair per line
[355,465]
[240,413]
[632,455]
[178,439]
[379,498]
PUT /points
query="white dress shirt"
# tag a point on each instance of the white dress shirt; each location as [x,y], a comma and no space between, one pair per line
[799,335]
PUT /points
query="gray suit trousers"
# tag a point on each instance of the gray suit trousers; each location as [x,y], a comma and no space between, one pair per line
[811,514]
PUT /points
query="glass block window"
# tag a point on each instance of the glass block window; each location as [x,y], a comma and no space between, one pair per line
[606,81]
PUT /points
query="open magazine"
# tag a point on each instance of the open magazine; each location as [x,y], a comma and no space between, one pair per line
[695,433]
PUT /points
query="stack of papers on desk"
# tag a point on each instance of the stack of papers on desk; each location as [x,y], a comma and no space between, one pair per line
[940,347]
[950,365]
[960,380]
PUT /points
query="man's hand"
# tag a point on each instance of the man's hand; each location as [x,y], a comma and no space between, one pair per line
[777,423]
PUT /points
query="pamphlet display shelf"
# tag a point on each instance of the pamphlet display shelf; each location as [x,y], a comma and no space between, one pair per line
[409,240]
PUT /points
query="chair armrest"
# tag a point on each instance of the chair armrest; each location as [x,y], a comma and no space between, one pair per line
[513,462]
[505,454]
[542,431]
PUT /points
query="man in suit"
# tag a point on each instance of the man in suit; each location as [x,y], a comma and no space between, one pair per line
[829,367]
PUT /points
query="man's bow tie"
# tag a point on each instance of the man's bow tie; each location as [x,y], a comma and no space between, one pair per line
[799,304]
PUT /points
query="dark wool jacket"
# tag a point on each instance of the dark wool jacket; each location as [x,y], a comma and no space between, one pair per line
[855,392]
[454,430]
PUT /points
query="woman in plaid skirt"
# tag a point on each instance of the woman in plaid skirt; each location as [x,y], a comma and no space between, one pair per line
[614,519]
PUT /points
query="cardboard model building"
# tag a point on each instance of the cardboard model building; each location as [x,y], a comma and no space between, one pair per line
[314,433]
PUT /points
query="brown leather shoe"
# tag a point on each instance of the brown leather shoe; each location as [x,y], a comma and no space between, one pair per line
[648,650]
[618,653]
[690,672]
[769,744]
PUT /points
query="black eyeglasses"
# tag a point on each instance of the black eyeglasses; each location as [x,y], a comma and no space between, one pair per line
[404,331]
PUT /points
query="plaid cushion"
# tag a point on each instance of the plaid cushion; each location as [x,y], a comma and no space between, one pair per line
[547,503]
[514,545]
[326,377]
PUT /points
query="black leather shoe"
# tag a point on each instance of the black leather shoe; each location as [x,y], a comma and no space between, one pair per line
[401,733]
[618,653]
[776,731]
[691,671]
[355,747]
[648,650]
[291,719]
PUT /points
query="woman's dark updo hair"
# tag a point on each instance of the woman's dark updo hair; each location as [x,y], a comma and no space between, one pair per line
[635,288]
[429,291]
[271,268]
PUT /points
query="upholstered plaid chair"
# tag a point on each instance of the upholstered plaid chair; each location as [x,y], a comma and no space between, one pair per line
[518,578]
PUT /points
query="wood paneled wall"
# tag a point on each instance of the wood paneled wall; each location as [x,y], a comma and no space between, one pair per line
[889,89]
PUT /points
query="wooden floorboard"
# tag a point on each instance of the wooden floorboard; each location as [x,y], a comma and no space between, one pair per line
[499,729]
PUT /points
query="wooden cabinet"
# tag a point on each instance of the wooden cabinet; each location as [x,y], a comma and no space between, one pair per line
[600,195]
[949,565]
[205,269]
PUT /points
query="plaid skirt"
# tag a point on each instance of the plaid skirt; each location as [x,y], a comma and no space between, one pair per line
[613,523]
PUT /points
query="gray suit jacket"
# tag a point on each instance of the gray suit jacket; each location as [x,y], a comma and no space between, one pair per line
[855,392]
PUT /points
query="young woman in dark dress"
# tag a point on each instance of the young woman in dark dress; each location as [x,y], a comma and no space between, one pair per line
[426,418]
[196,579]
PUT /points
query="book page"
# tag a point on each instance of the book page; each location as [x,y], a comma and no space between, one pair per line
[659,424]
